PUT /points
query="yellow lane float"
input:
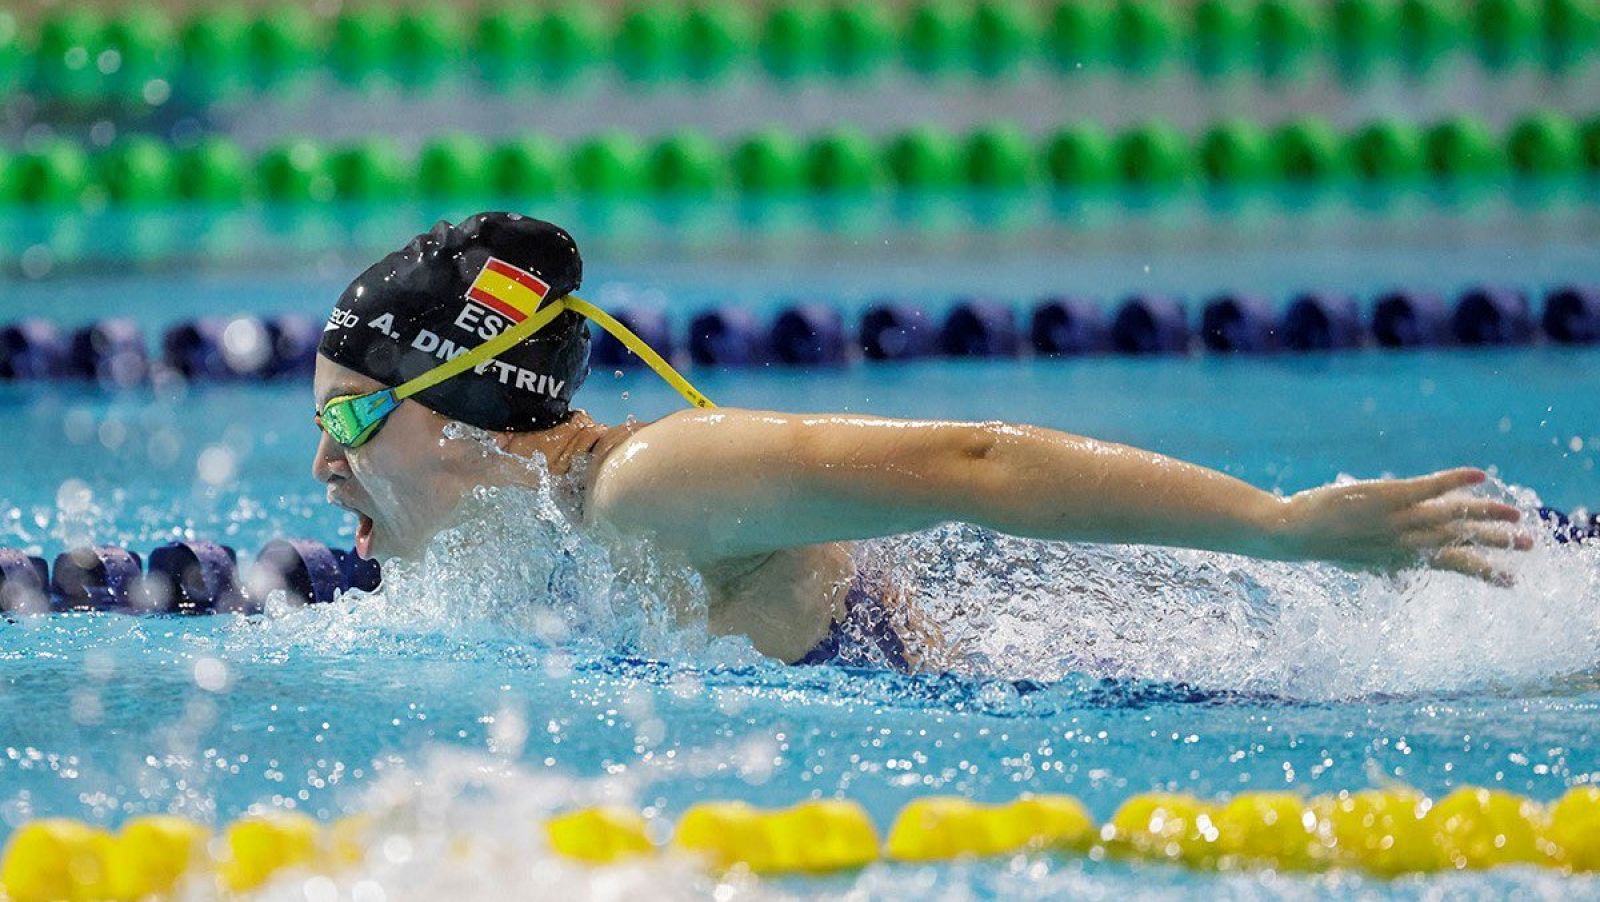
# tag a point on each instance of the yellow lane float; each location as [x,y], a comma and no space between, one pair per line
[258,847]
[598,835]
[943,827]
[1379,830]
[811,837]
[823,836]
[940,828]
[152,853]
[57,858]
[724,834]
[1270,829]
[1480,828]
[1382,831]
[1164,826]
[1575,828]
[1044,822]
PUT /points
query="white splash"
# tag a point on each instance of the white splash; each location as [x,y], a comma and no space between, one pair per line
[464,825]
[516,566]
[1018,608]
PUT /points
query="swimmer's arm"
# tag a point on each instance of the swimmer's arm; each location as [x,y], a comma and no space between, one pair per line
[730,483]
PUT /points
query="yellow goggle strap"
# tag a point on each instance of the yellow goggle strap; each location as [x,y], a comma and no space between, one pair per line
[646,353]
[482,353]
[541,318]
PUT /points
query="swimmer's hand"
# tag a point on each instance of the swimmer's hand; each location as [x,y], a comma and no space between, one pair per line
[1389,524]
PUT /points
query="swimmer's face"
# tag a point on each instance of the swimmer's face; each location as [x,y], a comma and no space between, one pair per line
[405,481]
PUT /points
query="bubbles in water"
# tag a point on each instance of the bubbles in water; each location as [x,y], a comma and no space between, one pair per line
[397,850]
[320,888]
[78,425]
[74,497]
[156,91]
[756,759]
[211,674]
[245,344]
[37,261]
[216,465]
[112,433]
[151,595]
[508,732]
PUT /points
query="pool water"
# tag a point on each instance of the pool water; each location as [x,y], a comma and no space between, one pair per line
[469,696]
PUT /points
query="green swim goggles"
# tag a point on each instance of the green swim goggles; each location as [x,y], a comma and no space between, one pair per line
[352,420]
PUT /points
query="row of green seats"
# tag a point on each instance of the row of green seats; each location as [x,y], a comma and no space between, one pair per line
[1304,152]
[77,55]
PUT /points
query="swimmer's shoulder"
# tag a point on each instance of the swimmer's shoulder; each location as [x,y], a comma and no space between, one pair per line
[634,463]
[665,434]
[610,446]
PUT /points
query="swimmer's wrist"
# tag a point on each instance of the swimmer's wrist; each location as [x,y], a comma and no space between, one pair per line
[1280,528]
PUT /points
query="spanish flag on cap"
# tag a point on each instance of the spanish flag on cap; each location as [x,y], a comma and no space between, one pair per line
[504,289]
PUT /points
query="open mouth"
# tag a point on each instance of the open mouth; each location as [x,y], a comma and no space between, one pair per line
[363,525]
[364,536]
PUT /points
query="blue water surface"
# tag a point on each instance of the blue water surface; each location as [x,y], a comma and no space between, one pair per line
[106,716]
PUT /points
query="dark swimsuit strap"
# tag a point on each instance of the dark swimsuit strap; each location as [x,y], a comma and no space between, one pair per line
[866,637]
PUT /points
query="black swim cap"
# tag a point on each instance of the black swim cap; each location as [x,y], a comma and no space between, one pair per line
[451,289]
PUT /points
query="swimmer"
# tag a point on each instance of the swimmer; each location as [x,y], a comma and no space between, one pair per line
[764,505]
